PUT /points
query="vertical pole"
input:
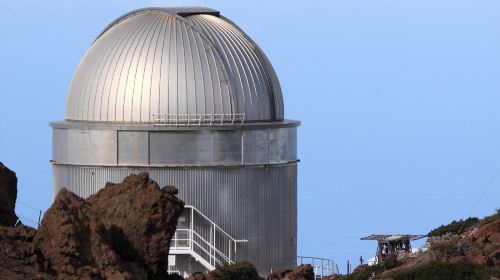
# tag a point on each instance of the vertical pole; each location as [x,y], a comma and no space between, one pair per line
[213,226]
[348,270]
[191,231]
[210,248]
[39,217]
[175,240]
[314,266]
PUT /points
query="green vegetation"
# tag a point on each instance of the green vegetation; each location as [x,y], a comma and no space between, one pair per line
[371,271]
[429,271]
[365,273]
[239,271]
[443,271]
[491,218]
[454,227]
[391,263]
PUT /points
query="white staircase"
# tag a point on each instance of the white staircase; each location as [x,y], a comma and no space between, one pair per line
[202,239]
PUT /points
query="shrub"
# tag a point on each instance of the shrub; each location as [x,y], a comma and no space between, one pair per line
[442,271]
[390,264]
[239,271]
[446,247]
[454,227]
[366,273]
[491,218]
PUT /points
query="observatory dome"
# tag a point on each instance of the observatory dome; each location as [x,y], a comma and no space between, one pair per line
[177,62]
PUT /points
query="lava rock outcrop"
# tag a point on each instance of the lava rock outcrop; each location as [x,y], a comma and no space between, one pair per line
[121,232]
[72,243]
[302,272]
[141,219]
[8,191]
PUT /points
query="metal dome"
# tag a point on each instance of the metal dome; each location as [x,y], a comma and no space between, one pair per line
[177,64]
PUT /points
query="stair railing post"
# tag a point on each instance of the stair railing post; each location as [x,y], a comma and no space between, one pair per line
[191,225]
[213,241]
[229,243]
[211,246]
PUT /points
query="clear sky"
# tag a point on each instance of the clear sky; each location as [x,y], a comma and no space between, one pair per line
[399,103]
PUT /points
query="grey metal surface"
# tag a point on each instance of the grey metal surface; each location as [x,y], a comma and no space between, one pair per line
[254,203]
[155,61]
[114,146]
[181,147]
[133,148]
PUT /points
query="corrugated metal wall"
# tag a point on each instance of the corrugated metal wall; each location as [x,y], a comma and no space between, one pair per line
[257,203]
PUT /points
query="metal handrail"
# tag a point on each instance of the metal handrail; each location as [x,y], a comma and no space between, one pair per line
[226,258]
[325,267]
[213,223]
[198,119]
[197,244]
[190,242]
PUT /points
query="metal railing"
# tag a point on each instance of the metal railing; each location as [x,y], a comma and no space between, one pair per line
[322,267]
[198,119]
[205,241]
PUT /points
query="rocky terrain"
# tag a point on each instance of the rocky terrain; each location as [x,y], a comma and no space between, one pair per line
[8,183]
[121,232]
[246,271]
[457,252]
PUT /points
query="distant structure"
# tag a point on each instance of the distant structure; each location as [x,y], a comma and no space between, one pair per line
[186,95]
[392,246]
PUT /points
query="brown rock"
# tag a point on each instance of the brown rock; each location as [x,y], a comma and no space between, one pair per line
[489,233]
[15,242]
[15,254]
[141,219]
[360,268]
[302,272]
[211,275]
[71,243]
[8,191]
[495,257]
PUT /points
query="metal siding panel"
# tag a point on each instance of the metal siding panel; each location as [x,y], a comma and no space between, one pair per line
[133,147]
[78,144]
[181,147]
[282,145]
[102,149]
[60,145]
[227,147]
[255,147]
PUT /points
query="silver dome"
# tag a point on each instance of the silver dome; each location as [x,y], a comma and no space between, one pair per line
[182,62]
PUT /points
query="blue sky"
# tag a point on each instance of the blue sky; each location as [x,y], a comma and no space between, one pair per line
[399,103]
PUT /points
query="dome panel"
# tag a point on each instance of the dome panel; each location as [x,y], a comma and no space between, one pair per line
[179,64]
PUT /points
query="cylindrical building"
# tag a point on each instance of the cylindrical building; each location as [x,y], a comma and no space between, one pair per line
[186,95]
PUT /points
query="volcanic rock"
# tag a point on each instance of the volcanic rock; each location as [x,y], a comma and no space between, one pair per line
[15,254]
[121,232]
[8,191]
[73,244]
[141,219]
[302,272]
